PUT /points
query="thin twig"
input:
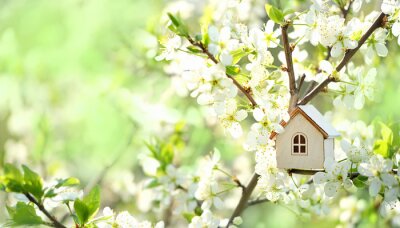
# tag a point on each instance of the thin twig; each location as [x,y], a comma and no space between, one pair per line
[301,81]
[245,91]
[54,221]
[257,201]
[345,12]
[328,53]
[100,178]
[311,87]
[289,65]
[239,183]
[379,22]
[245,197]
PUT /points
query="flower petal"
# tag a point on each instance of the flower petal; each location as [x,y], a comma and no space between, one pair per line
[331,188]
[240,115]
[375,187]
[320,178]
[381,49]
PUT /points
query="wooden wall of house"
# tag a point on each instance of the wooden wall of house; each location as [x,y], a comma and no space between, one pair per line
[315,146]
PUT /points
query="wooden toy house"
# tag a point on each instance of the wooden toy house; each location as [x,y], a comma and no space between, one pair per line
[307,141]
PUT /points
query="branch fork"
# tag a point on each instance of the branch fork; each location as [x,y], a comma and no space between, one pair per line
[294,95]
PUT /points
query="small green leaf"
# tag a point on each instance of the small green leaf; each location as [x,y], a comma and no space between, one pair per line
[82,211]
[178,27]
[362,178]
[194,49]
[174,20]
[288,11]
[153,183]
[232,70]
[238,54]
[381,147]
[274,13]
[33,183]
[387,133]
[87,208]
[68,182]
[167,154]
[24,215]
[205,38]
[13,179]
[92,201]
[188,216]
[359,182]
[49,193]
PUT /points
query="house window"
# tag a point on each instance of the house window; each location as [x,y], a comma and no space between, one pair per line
[299,144]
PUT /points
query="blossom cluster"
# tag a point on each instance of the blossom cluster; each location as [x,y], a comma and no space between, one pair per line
[229,62]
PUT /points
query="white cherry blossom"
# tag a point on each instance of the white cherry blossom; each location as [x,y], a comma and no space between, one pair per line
[377,169]
[170,48]
[231,117]
[335,177]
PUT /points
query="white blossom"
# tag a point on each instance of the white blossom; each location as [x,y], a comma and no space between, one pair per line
[335,177]
[170,48]
[377,169]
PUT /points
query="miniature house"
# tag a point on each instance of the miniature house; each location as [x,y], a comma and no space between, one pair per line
[307,141]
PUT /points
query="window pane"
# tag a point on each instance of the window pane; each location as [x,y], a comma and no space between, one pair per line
[302,139]
[295,149]
[296,139]
[303,149]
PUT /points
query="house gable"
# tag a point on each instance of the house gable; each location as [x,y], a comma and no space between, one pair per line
[314,117]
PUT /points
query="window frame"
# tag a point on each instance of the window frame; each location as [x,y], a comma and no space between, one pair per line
[299,144]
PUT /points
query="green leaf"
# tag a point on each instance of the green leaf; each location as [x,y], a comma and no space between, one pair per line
[24,215]
[194,49]
[167,154]
[82,211]
[174,20]
[232,70]
[188,216]
[153,183]
[274,13]
[13,179]
[387,133]
[68,182]
[238,54]
[205,38]
[288,11]
[178,27]
[359,182]
[33,183]
[362,178]
[49,193]
[381,147]
[87,208]
[92,201]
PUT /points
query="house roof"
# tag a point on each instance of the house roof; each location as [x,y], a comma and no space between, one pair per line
[315,118]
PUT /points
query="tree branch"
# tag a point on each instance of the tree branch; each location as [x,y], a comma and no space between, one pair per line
[245,197]
[289,64]
[249,188]
[349,54]
[246,92]
[345,12]
[53,220]
[301,81]
[257,201]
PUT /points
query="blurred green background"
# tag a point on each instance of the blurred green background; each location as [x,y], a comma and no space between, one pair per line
[80,93]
